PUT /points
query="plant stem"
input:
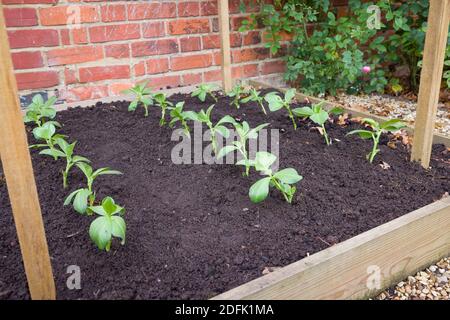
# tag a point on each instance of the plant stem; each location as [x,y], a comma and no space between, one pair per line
[262,106]
[292,117]
[376,139]
[277,185]
[163,116]
[325,134]
[146,111]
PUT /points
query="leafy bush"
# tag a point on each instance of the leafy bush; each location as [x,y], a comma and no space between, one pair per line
[109,224]
[377,129]
[244,132]
[317,115]
[282,180]
[277,103]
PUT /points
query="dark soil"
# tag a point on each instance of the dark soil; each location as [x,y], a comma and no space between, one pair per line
[192,230]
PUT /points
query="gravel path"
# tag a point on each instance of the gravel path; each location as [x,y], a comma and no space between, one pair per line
[395,107]
[430,284]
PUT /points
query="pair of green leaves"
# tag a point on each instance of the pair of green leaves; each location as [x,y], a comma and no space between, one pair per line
[164,104]
[282,180]
[237,93]
[318,115]
[177,114]
[276,103]
[377,129]
[142,95]
[255,96]
[203,91]
[39,109]
[109,224]
[84,197]
[244,132]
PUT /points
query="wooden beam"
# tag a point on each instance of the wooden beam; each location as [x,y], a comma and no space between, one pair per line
[224,28]
[362,266]
[430,80]
[19,176]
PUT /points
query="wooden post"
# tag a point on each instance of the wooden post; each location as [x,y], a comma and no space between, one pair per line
[19,175]
[430,80]
[224,27]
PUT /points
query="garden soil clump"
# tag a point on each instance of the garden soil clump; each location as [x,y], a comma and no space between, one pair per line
[192,231]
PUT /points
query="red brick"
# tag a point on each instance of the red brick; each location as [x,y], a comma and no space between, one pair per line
[28,1]
[190,44]
[153,29]
[190,79]
[208,8]
[212,41]
[33,38]
[64,34]
[188,9]
[217,58]
[73,55]
[252,37]
[27,59]
[85,93]
[157,65]
[191,62]
[73,14]
[37,80]
[91,74]
[118,51]
[113,13]
[273,67]
[249,54]
[20,17]
[117,89]
[188,26]
[250,6]
[139,69]
[165,82]
[212,75]
[236,22]
[141,11]
[245,71]
[154,47]
[70,76]
[80,35]
[114,32]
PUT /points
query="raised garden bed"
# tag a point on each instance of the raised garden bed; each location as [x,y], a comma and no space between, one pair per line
[193,232]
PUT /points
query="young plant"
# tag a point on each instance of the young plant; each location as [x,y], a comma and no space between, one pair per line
[245,132]
[84,197]
[47,132]
[164,104]
[255,97]
[203,91]
[65,151]
[237,93]
[377,129]
[143,96]
[282,180]
[317,115]
[276,103]
[39,110]
[177,114]
[205,117]
[109,224]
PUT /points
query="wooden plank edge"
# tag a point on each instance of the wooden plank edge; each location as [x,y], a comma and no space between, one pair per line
[291,282]
[437,137]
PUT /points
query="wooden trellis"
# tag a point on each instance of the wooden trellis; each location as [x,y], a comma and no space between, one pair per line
[17,164]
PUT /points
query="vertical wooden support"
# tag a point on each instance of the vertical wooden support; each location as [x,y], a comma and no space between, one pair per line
[19,175]
[430,80]
[224,28]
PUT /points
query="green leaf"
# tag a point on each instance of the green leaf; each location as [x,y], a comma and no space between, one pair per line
[393,125]
[97,209]
[45,132]
[53,153]
[253,133]
[85,168]
[259,190]
[289,95]
[103,171]
[288,176]
[374,124]
[225,150]
[364,134]
[275,102]
[133,105]
[70,197]
[303,112]
[118,228]
[80,202]
[263,161]
[223,131]
[80,159]
[226,119]
[320,117]
[336,111]
[100,232]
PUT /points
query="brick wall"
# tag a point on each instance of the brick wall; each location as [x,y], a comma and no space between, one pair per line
[90,49]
